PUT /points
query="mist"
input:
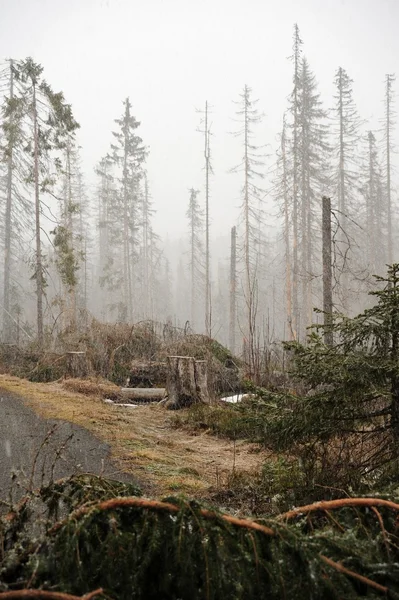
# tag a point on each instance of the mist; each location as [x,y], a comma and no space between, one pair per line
[123,241]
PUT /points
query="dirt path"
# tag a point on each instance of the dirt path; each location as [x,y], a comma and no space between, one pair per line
[143,440]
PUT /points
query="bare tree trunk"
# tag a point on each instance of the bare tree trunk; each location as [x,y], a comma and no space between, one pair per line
[342,191]
[288,288]
[233,290]
[8,225]
[247,259]
[39,261]
[389,80]
[371,224]
[127,267]
[104,229]
[145,249]
[295,303]
[327,272]
[193,278]
[304,239]
[71,292]
[85,286]
[207,250]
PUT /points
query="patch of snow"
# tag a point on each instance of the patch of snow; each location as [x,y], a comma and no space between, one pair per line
[234,399]
[108,401]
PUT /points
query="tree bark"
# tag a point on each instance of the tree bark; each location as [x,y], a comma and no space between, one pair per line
[342,191]
[8,225]
[327,272]
[233,290]
[288,288]
[389,80]
[39,262]
[295,303]
[70,291]
[187,382]
[76,366]
[207,251]
[144,394]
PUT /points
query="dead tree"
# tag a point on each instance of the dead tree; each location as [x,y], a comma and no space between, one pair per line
[389,123]
[327,272]
[233,290]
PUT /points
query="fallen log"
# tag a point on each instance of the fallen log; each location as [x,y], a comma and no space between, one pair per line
[143,394]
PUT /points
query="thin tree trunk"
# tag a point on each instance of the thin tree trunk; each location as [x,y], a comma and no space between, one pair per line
[8,226]
[388,166]
[288,289]
[247,260]
[207,250]
[145,249]
[327,272]
[103,234]
[305,216]
[371,229]
[39,262]
[295,187]
[309,262]
[233,290]
[193,296]
[71,292]
[85,285]
[394,360]
[342,191]
[126,250]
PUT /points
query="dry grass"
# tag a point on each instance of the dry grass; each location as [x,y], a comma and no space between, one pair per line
[143,440]
[99,387]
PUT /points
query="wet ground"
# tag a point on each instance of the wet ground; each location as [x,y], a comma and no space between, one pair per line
[33,450]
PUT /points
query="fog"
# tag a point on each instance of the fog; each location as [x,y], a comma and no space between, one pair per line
[169,58]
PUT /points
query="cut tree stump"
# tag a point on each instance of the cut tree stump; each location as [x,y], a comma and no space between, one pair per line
[76,365]
[187,381]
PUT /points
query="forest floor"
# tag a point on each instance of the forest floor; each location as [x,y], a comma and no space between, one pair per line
[143,441]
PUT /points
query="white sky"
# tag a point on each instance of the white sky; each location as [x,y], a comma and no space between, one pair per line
[170,56]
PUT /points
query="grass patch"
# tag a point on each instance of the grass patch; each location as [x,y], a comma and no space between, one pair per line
[225,420]
[99,387]
[143,442]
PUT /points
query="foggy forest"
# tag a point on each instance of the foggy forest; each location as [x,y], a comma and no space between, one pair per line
[199,300]
[74,253]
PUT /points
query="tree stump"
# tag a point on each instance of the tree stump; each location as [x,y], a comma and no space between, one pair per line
[187,381]
[76,365]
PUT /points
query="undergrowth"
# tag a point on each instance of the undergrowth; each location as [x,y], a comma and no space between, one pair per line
[112,349]
[95,534]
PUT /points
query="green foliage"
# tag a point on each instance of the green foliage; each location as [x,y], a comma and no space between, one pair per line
[276,487]
[141,549]
[230,421]
[67,261]
[342,422]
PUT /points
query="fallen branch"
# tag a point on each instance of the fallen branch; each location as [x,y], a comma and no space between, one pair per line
[341,503]
[44,595]
[345,571]
[161,506]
